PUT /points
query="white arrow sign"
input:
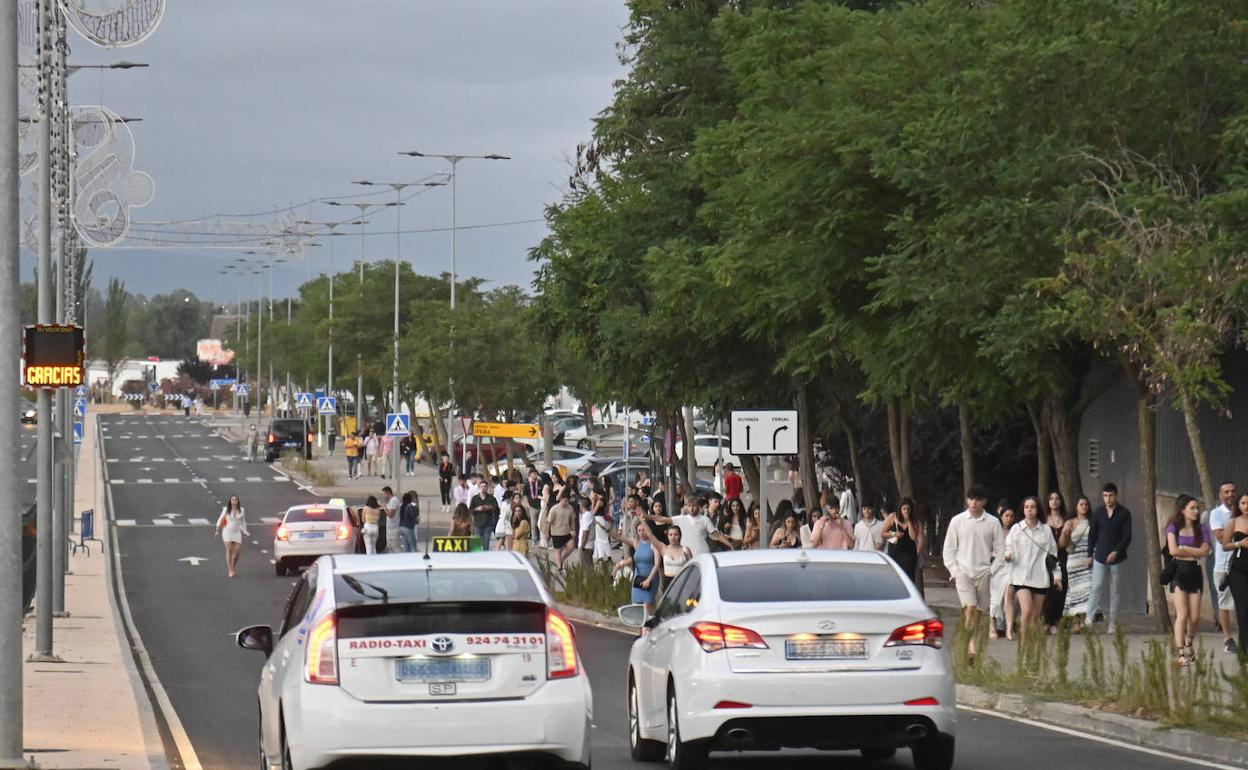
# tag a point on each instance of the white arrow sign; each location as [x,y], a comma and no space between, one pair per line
[194,560]
[170,515]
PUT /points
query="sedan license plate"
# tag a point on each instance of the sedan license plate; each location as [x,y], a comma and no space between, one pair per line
[442,670]
[291,443]
[311,535]
[825,649]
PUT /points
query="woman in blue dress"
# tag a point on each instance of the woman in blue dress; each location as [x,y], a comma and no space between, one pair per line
[647,563]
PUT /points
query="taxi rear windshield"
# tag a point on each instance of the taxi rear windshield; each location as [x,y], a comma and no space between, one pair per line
[810,582]
[314,514]
[435,585]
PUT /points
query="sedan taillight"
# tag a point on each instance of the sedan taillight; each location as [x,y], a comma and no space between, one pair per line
[716,636]
[560,647]
[343,531]
[929,632]
[282,532]
[322,662]
[272,438]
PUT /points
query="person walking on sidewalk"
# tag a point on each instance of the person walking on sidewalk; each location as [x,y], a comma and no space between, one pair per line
[1001,615]
[1109,536]
[1074,539]
[409,519]
[484,509]
[1188,542]
[372,446]
[231,528]
[831,531]
[253,443]
[407,448]
[390,506]
[1223,602]
[1235,540]
[462,493]
[1028,548]
[353,447]
[973,540]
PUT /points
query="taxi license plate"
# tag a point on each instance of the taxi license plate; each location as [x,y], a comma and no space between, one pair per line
[442,670]
[825,649]
[291,443]
[311,535]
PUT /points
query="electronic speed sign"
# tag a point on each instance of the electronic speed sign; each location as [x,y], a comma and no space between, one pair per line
[53,356]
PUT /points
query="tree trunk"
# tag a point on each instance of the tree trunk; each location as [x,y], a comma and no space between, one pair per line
[968,449]
[1207,488]
[1146,402]
[894,444]
[1044,465]
[691,452]
[753,479]
[1062,427]
[805,447]
[907,479]
[852,440]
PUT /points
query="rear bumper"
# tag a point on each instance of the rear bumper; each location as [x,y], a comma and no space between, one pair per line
[825,732]
[285,550]
[330,726]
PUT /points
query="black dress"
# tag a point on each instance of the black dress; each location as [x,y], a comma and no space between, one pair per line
[1055,599]
[905,552]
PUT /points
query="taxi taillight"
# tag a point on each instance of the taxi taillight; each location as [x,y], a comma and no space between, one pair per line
[322,662]
[343,532]
[560,647]
[928,632]
[282,532]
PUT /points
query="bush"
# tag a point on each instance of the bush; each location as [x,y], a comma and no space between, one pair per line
[592,587]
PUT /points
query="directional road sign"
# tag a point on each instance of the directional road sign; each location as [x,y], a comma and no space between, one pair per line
[506,429]
[77,432]
[764,432]
[303,400]
[80,407]
[398,424]
[327,405]
[153,386]
[242,389]
[80,391]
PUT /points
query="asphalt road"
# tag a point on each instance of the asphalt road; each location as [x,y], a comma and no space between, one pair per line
[171,469]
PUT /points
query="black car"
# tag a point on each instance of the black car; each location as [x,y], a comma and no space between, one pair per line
[288,434]
[29,539]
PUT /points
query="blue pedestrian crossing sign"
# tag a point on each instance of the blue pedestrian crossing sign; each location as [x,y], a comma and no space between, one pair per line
[77,432]
[398,424]
[80,391]
[327,405]
[303,401]
[153,386]
[242,389]
[80,407]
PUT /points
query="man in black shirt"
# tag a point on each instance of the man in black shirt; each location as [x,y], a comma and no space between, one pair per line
[484,510]
[1109,535]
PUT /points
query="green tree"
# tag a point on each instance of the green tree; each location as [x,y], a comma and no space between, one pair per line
[116,337]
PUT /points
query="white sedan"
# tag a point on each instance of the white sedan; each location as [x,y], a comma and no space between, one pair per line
[763,650]
[309,531]
[706,450]
[404,657]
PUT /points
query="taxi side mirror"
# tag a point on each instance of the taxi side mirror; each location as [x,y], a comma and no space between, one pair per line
[256,638]
[633,615]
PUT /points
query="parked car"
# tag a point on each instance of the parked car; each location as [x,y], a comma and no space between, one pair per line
[569,459]
[706,449]
[289,434]
[610,440]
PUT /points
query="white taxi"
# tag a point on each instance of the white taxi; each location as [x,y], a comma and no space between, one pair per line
[309,531]
[400,656]
[772,649]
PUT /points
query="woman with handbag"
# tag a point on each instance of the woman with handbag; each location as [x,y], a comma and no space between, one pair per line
[647,563]
[1235,540]
[1188,542]
[1028,547]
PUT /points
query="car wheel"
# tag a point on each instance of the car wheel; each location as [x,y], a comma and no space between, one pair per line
[279,568]
[582,444]
[641,749]
[682,755]
[879,752]
[934,753]
[287,764]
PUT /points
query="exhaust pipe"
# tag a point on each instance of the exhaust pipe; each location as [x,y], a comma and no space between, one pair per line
[739,735]
[916,732]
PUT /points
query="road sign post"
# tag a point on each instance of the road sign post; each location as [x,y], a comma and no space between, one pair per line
[764,433]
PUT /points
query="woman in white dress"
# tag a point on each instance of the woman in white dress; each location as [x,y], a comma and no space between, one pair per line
[1028,547]
[1001,597]
[231,528]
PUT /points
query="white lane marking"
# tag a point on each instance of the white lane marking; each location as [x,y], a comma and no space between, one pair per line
[1099,739]
[112,459]
[270,519]
[225,480]
[197,522]
[125,522]
[254,478]
[163,522]
[145,481]
[203,459]
[116,481]
[171,481]
[32,481]
[280,478]
[263,551]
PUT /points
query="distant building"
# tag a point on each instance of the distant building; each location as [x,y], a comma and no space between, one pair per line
[151,369]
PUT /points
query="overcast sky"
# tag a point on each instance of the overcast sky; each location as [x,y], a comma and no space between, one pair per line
[248,106]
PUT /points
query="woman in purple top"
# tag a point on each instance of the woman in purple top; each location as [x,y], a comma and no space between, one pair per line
[1188,541]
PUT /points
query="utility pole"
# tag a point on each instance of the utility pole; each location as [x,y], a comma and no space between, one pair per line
[63,500]
[11,724]
[46,538]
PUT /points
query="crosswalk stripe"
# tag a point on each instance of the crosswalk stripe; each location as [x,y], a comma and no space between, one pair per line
[163,523]
[112,459]
[198,522]
[125,522]
[280,478]
[145,481]
[226,480]
[270,519]
[254,478]
[116,481]
[171,481]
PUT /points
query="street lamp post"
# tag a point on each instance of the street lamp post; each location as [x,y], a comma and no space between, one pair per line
[454,161]
[398,188]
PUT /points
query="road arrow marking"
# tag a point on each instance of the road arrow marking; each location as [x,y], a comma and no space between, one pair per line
[170,515]
[194,560]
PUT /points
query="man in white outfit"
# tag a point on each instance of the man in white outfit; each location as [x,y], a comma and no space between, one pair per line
[973,541]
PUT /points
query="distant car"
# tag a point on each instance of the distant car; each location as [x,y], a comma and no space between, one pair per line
[569,459]
[610,440]
[411,658]
[288,434]
[29,416]
[763,650]
[706,450]
[310,531]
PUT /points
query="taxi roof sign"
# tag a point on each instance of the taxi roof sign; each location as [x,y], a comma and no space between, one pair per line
[457,544]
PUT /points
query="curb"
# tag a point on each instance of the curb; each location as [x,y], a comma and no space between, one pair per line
[592,618]
[1139,732]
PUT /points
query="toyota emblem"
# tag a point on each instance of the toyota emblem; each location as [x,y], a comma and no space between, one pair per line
[443,644]
[826,625]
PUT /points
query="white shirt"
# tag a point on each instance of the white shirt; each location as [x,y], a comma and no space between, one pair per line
[461,494]
[499,491]
[587,521]
[868,536]
[1027,548]
[1220,518]
[694,531]
[971,544]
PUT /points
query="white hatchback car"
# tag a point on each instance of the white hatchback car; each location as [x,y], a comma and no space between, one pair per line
[771,649]
[309,531]
[404,656]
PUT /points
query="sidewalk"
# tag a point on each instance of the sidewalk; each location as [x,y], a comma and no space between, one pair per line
[89,710]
